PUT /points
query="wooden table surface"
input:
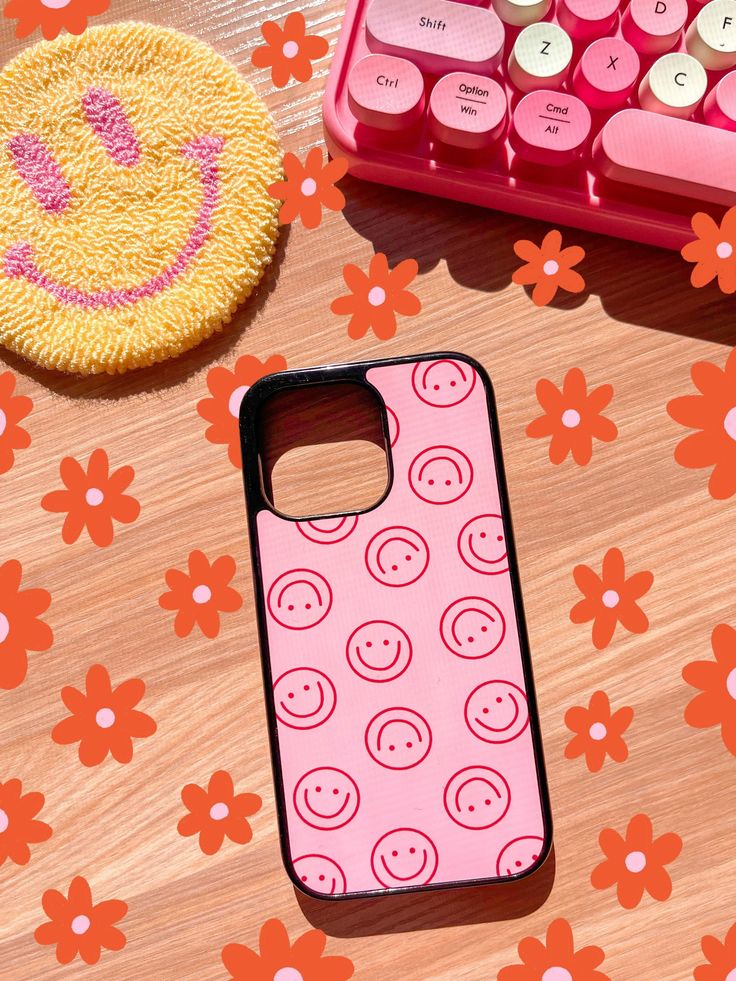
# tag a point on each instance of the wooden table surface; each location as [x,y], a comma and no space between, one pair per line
[639,326]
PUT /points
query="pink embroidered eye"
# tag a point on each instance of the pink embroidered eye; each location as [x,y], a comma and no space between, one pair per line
[40,171]
[108,119]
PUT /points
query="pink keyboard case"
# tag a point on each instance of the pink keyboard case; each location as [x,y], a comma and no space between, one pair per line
[403,723]
[571,195]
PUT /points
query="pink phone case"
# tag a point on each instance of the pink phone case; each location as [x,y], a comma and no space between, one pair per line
[404,730]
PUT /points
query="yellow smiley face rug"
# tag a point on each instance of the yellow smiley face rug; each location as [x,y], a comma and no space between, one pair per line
[134,208]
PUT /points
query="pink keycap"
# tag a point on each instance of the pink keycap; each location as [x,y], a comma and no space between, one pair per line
[468,111]
[719,108]
[606,74]
[550,127]
[585,20]
[439,36]
[654,26]
[386,92]
[665,153]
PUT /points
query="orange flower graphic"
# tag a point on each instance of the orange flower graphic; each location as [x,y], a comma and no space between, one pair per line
[200,595]
[610,598]
[557,961]
[376,297]
[20,628]
[78,927]
[104,719]
[228,388]
[19,826]
[715,703]
[598,731]
[13,408]
[713,413]
[217,813]
[635,864]
[548,267]
[721,958]
[92,499]
[713,251]
[309,187]
[279,958]
[572,417]
[289,51]
[53,16]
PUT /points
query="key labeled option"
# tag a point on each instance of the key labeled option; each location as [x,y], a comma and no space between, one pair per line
[439,36]
[654,26]
[719,108]
[520,13]
[663,153]
[711,37]
[674,85]
[585,20]
[607,72]
[550,128]
[386,92]
[540,58]
[467,111]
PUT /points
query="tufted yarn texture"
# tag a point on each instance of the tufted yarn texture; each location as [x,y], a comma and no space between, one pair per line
[135,216]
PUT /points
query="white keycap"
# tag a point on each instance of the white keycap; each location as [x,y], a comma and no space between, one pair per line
[520,13]
[540,58]
[711,37]
[674,85]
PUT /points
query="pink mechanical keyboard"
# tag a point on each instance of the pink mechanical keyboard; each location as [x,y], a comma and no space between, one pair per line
[615,117]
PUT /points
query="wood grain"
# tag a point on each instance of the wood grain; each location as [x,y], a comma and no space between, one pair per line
[639,326]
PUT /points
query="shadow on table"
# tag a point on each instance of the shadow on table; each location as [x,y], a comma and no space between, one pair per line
[430,910]
[637,284]
[167,373]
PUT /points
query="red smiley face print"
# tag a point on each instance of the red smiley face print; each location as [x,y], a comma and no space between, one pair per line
[443,383]
[404,857]
[497,711]
[326,798]
[441,475]
[397,556]
[379,651]
[519,855]
[320,874]
[304,697]
[482,545]
[398,738]
[477,797]
[472,627]
[299,599]
[327,531]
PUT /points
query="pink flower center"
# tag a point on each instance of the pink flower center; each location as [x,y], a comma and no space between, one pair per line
[288,974]
[731,689]
[309,187]
[55,4]
[105,718]
[551,268]
[235,399]
[94,497]
[219,811]
[290,50]
[557,974]
[611,598]
[570,418]
[729,423]
[80,925]
[731,976]
[724,250]
[4,821]
[4,627]
[598,731]
[376,296]
[635,861]
[201,594]
[3,422]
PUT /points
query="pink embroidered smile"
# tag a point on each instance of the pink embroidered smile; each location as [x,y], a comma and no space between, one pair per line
[45,180]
